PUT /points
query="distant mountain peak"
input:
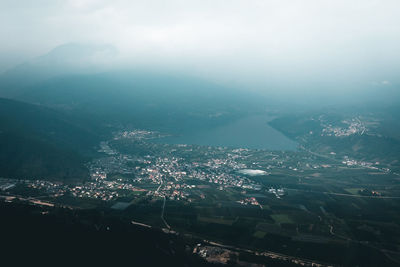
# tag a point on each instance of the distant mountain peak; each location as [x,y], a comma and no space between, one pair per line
[77,53]
[65,59]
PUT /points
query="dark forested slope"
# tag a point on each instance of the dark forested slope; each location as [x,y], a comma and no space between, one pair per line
[36,142]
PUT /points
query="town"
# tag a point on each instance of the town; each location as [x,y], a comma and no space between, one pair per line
[269,195]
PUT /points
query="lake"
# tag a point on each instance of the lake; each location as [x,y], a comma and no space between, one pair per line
[250,132]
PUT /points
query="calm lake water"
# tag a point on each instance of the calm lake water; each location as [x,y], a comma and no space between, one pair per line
[250,132]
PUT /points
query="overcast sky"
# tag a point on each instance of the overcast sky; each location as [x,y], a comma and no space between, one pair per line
[254,42]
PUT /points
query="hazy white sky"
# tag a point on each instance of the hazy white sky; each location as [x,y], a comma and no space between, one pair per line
[238,41]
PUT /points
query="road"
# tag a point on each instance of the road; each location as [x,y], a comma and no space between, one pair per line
[163,206]
[162,214]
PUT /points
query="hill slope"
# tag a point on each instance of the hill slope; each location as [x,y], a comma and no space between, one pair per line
[37,142]
[146,100]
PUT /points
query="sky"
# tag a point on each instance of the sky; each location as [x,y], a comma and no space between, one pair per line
[285,44]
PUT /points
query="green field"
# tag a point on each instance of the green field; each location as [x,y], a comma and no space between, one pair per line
[281,218]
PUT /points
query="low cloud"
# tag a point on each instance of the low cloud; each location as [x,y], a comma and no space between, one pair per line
[256,44]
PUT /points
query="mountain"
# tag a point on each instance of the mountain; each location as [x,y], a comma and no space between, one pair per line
[75,78]
[37,142]
[143,99]
[71,58]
